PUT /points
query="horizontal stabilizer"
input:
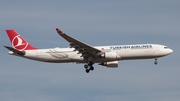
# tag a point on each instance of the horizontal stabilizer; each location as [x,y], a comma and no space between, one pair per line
[15,51]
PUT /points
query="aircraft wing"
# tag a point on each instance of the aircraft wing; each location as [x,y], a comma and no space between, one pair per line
[83,48]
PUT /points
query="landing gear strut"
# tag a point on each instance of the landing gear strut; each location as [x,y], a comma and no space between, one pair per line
[89,67]
[155,62]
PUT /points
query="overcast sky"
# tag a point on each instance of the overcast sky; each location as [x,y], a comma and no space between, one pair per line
[96,22]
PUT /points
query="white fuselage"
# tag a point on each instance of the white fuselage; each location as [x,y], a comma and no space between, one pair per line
[124,52]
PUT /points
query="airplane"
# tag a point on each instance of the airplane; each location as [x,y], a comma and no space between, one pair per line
[80,52]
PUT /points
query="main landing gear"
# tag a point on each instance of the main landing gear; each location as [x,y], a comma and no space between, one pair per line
[89,67]
[155,62]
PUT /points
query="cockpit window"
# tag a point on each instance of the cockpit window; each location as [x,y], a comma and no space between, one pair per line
[165,47]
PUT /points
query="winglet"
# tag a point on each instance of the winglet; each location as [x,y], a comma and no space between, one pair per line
[59,31]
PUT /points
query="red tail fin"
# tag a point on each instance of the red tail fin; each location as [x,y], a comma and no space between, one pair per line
[18,42]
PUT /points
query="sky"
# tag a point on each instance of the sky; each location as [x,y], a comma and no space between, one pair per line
[95,22]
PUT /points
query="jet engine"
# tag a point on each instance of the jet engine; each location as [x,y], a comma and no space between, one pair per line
[112,64]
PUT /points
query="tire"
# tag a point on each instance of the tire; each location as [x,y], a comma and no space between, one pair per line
[85,66]
[91,68]
[87,70]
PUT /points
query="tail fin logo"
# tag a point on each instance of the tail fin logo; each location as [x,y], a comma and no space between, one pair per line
[19,43]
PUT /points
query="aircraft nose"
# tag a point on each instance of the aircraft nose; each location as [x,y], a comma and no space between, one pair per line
[166,52]
[170,51]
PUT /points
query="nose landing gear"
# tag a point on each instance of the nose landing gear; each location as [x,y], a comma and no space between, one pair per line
[155,62]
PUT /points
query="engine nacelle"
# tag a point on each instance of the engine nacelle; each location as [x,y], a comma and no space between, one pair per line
[110,55]
[112,64]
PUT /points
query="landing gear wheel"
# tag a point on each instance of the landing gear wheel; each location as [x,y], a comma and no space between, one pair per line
[155,62]
[91,68]
[89,65]
[87,70]
[85,66]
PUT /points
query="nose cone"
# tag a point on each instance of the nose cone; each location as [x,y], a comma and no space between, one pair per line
[165,52]
[168,51]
